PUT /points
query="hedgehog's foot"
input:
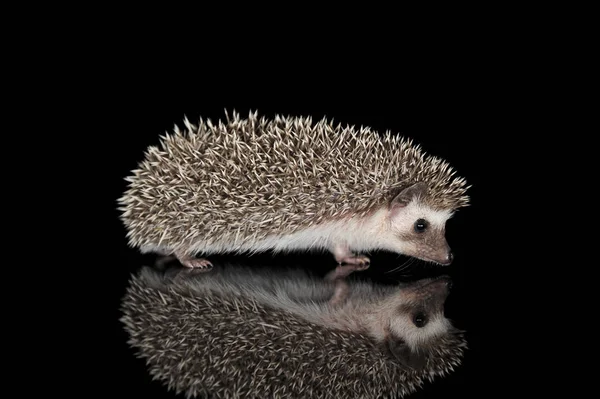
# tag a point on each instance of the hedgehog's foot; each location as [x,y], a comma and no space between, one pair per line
[197,263]
[344,255]
[200,264]
[361,261]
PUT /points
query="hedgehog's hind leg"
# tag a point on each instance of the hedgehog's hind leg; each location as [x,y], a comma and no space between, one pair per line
[192,262]
[343,254]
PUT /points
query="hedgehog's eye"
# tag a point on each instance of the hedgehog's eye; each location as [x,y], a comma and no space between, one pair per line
[421,225]
[420,319]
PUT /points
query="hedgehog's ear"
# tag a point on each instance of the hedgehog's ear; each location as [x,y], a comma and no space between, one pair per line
[405,196]
[409,358]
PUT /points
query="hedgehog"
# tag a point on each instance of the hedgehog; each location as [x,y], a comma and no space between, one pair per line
[249,185]
[241,332]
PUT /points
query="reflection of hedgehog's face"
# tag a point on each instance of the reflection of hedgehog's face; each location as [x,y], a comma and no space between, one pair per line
[418,319]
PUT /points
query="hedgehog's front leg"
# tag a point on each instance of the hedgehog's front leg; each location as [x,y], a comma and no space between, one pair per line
[193,262]
[343,254]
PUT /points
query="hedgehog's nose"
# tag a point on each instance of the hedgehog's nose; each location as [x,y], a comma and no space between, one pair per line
[446,259]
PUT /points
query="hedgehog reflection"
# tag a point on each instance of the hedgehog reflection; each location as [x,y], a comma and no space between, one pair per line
[239,332]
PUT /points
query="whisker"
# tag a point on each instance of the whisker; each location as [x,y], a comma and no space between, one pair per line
[403,266]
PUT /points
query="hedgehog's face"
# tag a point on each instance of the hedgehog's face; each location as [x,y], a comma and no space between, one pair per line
[418,320]
[418,229]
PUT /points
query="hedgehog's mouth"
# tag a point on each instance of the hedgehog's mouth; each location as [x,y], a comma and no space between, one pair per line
[444,259]
[437,262]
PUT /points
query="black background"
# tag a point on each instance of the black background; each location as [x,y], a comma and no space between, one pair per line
[459,117]
[491,90]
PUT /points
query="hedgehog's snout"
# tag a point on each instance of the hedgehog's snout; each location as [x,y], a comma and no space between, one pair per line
[444,257]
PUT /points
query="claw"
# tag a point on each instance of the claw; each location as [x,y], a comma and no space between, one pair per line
[343,255]
[191,262]
[360,261]
[201,264]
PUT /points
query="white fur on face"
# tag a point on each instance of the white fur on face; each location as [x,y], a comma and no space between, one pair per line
[405,218]
[401,222]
